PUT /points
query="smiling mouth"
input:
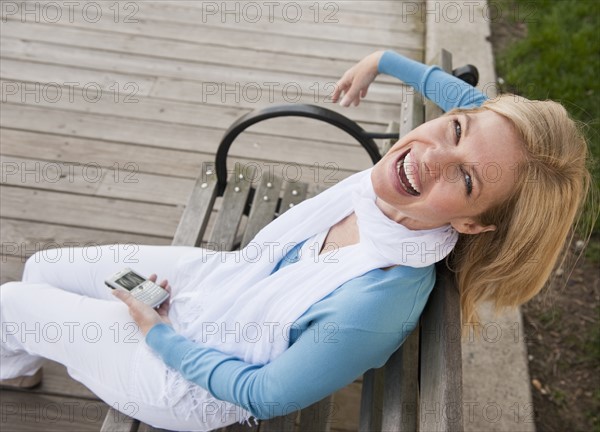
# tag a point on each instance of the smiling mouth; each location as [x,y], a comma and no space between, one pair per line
[406,174]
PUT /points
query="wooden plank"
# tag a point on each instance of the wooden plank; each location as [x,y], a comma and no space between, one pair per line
[180,137]
[346,407]
[263,208]
[116,421]
[194,220]
[284,423]
[147,428]
[283,91]
[23,411]
[391,7]
[238,427]
[204,54]
[146,68]
[193,34]
[58,176]
[374,14]
[107,81]
[215,85]
[293,193]
[11,268]
[234,203]
[57,382]
[393,127]
[444,60]
[21,238]
[412,113]
[371,400]
[440,405]
[188,50]
[236,21]
[89,212]
[62,148]
[123,182]
[317,417]
[72,98]
[400,394]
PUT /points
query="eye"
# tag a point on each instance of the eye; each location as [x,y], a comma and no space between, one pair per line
[457,130]
[468,182]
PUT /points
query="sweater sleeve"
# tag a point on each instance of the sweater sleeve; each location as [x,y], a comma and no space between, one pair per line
[322,360]
[444,89]
[344,338]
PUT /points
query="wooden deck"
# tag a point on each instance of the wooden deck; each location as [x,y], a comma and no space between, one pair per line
[109,112]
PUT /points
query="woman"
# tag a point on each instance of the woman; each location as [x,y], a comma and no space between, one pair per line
[337,283]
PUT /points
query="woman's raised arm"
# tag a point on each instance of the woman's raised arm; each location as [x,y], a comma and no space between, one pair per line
[444,89]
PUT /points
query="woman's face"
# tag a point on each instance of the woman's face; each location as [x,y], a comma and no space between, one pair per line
[449,171]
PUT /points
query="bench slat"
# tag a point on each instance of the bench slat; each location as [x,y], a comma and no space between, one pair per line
[286,423]
[232,209]
[263,211]
[317,417]
[293,194]
[197,211]
[444,61]
[371,400]
[147,428]
[116,421]
[441,359]
[239,427]
[401,388]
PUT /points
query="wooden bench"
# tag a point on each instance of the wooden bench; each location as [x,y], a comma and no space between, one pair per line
[420,387]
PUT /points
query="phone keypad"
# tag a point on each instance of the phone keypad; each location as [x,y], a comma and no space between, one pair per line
[150,293]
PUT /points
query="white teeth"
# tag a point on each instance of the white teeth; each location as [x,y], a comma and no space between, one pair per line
[411,171]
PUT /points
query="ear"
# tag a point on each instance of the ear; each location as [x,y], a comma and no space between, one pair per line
[471,226]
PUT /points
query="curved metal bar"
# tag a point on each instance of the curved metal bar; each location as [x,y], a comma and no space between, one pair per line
[468,73]
[300,110]
[383,135]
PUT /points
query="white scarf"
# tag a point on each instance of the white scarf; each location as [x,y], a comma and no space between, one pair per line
[238,306]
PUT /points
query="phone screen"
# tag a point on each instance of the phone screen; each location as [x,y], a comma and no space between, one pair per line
[130,280]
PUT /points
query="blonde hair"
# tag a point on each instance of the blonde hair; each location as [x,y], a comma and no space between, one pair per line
[511,264]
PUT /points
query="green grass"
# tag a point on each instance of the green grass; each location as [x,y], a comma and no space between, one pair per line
[559,60]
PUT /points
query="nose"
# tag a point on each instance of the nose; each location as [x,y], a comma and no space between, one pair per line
[440,163]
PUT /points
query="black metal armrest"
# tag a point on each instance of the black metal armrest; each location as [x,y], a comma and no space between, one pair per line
[468,73]
[300,110]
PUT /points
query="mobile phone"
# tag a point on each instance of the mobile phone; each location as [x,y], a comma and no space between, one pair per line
[141,288]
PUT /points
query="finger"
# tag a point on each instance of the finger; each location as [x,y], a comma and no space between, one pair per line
[125,297]
[153,277]
[163,309]
[350,97]
[164,283]
[339,88]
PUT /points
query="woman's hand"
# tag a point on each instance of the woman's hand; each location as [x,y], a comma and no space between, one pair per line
[143,314]
[356,81]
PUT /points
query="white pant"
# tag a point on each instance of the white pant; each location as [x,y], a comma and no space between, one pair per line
[63,311]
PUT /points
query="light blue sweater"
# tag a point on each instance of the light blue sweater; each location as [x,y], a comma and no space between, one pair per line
[355,328]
